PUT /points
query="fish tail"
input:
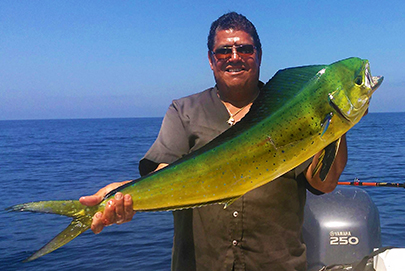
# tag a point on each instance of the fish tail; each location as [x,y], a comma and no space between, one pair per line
[82,218]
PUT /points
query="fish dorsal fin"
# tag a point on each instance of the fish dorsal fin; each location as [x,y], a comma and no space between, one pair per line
[326,159]
[284,85]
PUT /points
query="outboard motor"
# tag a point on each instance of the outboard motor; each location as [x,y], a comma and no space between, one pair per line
[340,227]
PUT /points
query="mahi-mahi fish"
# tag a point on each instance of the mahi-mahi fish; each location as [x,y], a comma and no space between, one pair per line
[299,112]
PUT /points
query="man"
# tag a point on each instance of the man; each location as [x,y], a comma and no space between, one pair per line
[261,230]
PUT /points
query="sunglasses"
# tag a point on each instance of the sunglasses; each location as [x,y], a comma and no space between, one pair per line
[243,50]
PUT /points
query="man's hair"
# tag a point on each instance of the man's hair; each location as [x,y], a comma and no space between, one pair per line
[235,21]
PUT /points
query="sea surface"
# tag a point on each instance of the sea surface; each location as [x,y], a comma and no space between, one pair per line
[66,159]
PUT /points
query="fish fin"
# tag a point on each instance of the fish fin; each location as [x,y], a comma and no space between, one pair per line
[75,228]
[82,218]
[229,202]
[282,87]
[325,123]
[319,164]
[326,159]
[276,93]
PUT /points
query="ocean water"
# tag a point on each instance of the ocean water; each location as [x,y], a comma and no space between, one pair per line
[65,159]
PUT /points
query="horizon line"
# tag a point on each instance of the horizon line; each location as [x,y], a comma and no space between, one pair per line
[150,117]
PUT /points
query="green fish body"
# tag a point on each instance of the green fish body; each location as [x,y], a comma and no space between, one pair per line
[300,112]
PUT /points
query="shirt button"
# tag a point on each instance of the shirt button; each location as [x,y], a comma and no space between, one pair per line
[234,242]
[235,214]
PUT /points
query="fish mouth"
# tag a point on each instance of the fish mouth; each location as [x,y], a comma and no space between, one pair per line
[376,82]
[373,82]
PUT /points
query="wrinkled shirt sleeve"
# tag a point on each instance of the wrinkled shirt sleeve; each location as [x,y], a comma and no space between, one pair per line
[170,145]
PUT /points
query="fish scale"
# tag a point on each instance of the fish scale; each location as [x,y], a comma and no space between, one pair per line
[284,128]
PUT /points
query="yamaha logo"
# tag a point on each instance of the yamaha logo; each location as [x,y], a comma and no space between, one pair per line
[340,233]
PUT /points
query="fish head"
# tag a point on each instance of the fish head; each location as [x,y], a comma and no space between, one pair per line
[353,86]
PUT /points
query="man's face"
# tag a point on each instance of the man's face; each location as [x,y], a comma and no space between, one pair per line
[237,71]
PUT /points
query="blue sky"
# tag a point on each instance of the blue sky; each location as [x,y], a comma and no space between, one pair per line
[105,59]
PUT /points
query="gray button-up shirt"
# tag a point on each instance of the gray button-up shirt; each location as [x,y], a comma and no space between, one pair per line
[259,231]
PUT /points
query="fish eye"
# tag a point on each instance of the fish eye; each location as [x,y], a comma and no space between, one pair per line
[359,81]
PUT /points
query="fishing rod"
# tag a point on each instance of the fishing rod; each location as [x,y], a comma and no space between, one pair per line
[357,182]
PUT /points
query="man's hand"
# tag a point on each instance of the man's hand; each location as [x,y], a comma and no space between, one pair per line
[117,211]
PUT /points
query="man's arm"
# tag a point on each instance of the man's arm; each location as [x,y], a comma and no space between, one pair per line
[330,183]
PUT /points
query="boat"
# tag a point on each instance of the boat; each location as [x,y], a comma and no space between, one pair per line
[342,231]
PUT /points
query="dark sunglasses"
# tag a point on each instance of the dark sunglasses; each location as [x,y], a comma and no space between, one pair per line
[243,50]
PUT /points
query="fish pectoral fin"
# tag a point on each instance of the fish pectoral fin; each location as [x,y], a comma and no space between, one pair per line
[325,123]
[82,218]
[326,159]
[229,202]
